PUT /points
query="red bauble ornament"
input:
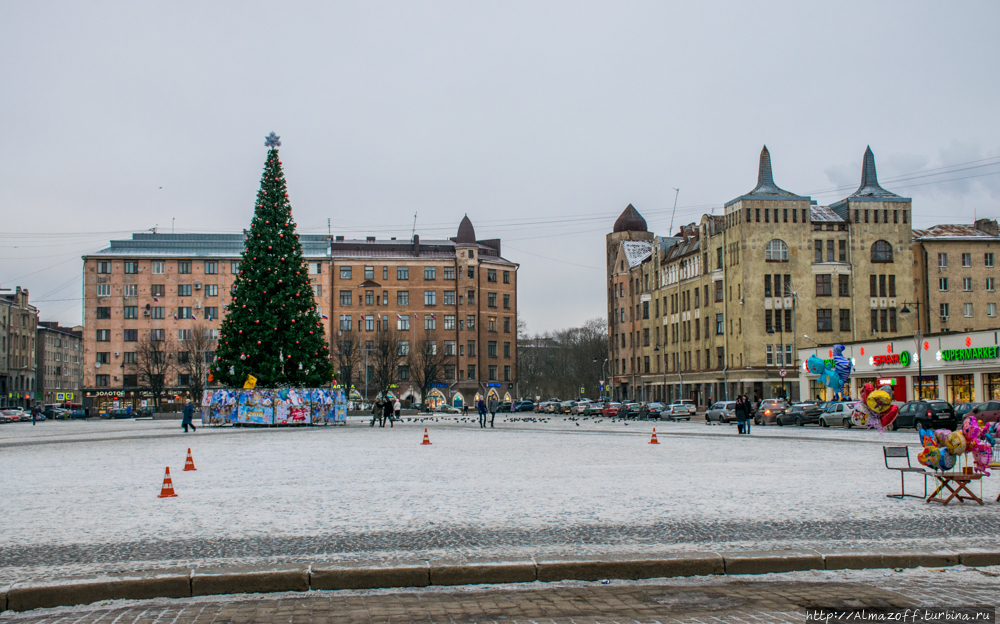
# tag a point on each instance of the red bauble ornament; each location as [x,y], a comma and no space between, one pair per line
[279,281]
[258,342]
[244,306]
[258,322]
[269,248]
[310,333]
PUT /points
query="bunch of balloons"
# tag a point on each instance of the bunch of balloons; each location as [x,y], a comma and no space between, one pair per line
[874,408]
[942,447]
[833,377]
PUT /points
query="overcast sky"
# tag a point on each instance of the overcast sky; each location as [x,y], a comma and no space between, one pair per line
[541,120]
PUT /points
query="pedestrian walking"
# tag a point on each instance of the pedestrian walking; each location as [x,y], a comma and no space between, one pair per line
[465,409]
[387,410]
[34,415]
[397,409]
[376,410]
[186,419]
[741,414]
[751,412]
[481,408]
[493,410]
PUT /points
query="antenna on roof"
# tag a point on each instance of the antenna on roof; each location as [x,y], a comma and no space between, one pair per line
[172,219]
[414,226]
[329,231]
[669,233]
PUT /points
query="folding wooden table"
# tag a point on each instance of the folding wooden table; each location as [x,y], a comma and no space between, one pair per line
[959,479]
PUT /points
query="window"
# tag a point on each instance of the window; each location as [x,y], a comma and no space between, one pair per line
[131,312]
[430,321]
[491,300]
[404,347]
[184,290]
[990,284]
[430,297]
[824,320]
[369,323]
[769,321]
[183,267]
[506,304]
[211,268]
[472,371]
[158,290]
[506,277]
[131,267]
[369,272]
[967,310]
[829,251]
[430,273]
[184,312]
[449,297]
[318,290]
[770,355]
[470,321]
[103,335]
[402,322]
[881,251]
[104,290]
[718,291]
[157,335]
[402,273]
[103,313]
[158,267]
[157,312]
[942,260]
[843,285]
[491,324]
[449,273]
[103,381]
[506,373]
[403,373]
[881,286]
[183,334]
[130,357]
[346,323]
[966,260]
[471,346]
[345,272]
[491,275]
[943,284]
[493,372]
[449,321]
[449,347]
[892,285]
[491,349]
[130,290]
[818,251]
[989,260]
[104,267]
[991,309]
[944,311]
[129,335]
[369,297]
[211,313]
[506,349]
[345,297]
[506,324]
[472,271]
[776,251]
[719,325]
[843,250]
[211,290]
[385,272]
[967,284]
[823,286]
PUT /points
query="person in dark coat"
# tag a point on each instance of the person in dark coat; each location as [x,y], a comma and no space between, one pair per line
[481,407]
[741,414]
[376,411]
[186,421]
[34,415]
[493,410]
[387,410]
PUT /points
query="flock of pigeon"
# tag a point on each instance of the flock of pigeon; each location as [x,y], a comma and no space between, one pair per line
[426,418]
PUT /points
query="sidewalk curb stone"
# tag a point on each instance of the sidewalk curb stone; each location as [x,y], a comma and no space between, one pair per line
[449,572]
[75,591]
[345,575]
[624,567]
[850,560]
[772,561]
[250,580]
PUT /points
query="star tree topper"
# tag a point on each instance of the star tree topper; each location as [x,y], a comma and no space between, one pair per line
[271,140]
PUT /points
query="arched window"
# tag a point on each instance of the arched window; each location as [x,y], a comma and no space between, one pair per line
[776,251]
[881,251]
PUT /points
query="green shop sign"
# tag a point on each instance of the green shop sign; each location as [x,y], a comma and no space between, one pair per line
[982,353]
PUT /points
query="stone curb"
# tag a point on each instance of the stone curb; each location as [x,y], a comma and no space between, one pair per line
[183,583]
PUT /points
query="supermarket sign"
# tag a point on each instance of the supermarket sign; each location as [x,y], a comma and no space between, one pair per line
[982,353]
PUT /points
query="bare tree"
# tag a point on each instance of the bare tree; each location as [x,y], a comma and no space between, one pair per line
[384,358]
[561,363]
[154,364]
[347,358]
[427,366]
[194,357]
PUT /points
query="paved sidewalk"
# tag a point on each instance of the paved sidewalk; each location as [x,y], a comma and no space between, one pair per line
[765,598]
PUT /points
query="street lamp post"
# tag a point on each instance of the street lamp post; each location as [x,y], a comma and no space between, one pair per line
[918,338]
[664,366]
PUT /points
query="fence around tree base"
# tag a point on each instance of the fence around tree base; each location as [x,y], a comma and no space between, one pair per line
[274,407]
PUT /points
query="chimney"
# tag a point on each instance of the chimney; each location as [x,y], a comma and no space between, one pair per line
[371,239]
[989,226]
[340,238]
[416,244]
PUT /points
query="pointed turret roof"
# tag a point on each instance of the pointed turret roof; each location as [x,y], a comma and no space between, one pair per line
[766,188]
[630,221]
[466,233]
[870,190]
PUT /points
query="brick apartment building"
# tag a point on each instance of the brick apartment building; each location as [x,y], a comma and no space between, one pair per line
[18,326]
[459,293]
[60,363]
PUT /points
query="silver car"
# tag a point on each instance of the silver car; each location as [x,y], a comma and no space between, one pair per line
[837,414]
[721,412]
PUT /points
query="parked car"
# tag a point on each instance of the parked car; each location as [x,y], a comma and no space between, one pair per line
[611,410]
[5,417]
[524,405]
[628,410]
[768,410]
[566,407]
[926,415]
[505,406]
[721,411]
[837,414]
[14,413]
[594,408]
[682,409]
[546,406]
[444,408]
[961,409]
[118,413]
[581,406]
[987,412]
[52,412]
[799,414]
[656,410]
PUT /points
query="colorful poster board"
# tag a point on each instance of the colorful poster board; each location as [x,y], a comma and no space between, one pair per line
[290,408]
[255,408]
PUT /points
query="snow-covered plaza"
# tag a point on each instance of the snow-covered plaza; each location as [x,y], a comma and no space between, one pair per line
[82,496]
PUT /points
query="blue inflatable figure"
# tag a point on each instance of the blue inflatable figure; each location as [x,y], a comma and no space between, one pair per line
[827,374]
[841,365]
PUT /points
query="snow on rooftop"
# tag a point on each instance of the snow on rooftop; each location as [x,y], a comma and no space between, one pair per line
[637,251]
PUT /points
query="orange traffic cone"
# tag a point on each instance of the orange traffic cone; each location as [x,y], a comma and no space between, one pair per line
[189,464]
[654,440]
[427,440]
[168,486]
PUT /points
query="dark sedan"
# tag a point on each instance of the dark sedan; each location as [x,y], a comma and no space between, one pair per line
[926,415]
[799,415]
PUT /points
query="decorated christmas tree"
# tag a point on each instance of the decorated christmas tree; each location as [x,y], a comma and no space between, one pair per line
[272,330]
